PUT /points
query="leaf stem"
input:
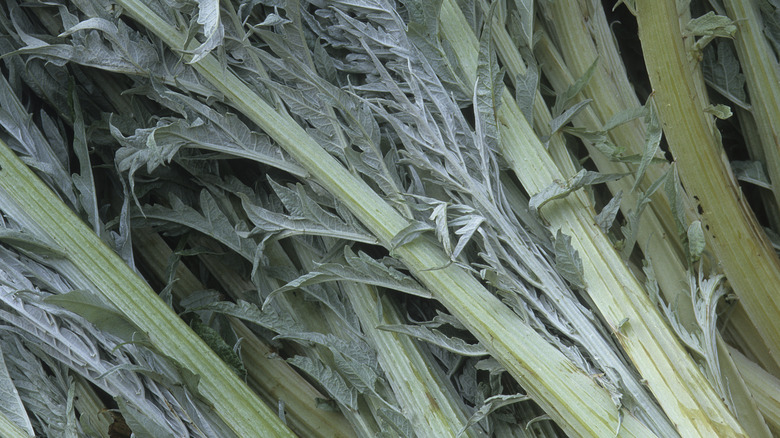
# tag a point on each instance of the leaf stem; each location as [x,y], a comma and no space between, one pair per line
[28,200]
[303,417]
[571,398]
[730,226]
[672,376]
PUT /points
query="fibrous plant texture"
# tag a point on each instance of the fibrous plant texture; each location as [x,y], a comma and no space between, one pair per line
[374,218]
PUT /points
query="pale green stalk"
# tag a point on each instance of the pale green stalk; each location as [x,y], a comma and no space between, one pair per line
[765,388]
[587,38]
[760,66]
[31,203]
[755,147]
[425,397]
[740,332]
[93,412]
[420,391]
[635,391]
[513,62]
[653,237]
[9,429]
[571,398]
[581,43]
[730,226]
[680,387]
[305,312]
[270,375]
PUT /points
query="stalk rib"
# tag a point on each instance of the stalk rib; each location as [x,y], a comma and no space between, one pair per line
[729,224]
[570,397]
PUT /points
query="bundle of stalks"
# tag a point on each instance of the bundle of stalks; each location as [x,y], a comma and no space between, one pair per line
[377,219]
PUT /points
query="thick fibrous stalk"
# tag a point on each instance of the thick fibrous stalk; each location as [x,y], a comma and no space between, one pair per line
[648,341]
[571,398]
[730,225]
[31,202]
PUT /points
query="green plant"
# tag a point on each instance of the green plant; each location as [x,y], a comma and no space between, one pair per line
[375,218]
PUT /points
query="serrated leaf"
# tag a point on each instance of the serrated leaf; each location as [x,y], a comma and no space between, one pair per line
[422,31]
[455,345]
[360,269]
[526,88]
[306,217]
[98,313]
[330,380]
[751,172]
[525,9]
[567,261]
[99,43]
[631,228]
[352,347]
[269,319]
[599,139]
[273,19]
[11,405]
[442,318]
[96,55]
[71,424]
[139,422]
[141,149]
[770,15]
[470,225]
[624,116]
[489,406]
[27,242]
[410,232]
[491,365]
[359,375]
[607,215]
[720,111]
[439,217]
[199,298]
[211,222]
[653,133]
[395,421]
[31,141]
[722,71]
[94,23]
[673,190]
[84,182]
[488,86]
[559,190]
[564,99]
[426,14]
[208,17]
[711,24]
[696,241]
[557,123]
[203,128]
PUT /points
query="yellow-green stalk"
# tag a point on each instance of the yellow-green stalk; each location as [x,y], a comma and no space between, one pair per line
[765,388]
[676,381]
[730,225]
[584,37]
[760,66]
[570,397]
[268,374]
[426,399]
[31,202]
[9,429]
